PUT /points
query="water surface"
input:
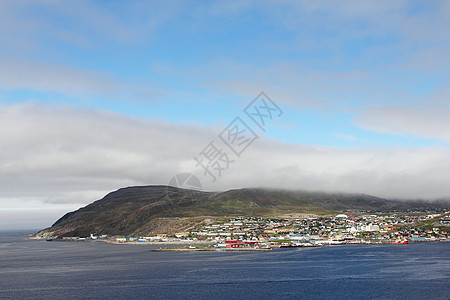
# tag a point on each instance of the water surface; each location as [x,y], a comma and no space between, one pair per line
[95,270]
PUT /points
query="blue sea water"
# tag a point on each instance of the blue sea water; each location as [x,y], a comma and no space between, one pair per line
[94,270]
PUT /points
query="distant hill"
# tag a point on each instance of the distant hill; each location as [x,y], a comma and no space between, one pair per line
[144,210]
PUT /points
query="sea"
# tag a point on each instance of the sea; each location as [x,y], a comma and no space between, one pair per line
[31,269]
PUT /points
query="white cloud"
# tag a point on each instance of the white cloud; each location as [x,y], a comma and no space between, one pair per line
[53,156]
[72,82]
[393,173]
[26,25]
[419,121]
[47,77]
[345,137]
[54,149]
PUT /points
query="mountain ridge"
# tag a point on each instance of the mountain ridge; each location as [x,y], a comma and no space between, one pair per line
[144,210]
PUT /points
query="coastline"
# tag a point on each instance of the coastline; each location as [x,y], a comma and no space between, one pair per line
[159,243]
[188,246]
[212,249]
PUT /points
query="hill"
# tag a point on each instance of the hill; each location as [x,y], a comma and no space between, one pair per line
[144,210]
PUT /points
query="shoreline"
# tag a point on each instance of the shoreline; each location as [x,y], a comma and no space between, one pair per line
[204,243]
[158,243]
[212,249]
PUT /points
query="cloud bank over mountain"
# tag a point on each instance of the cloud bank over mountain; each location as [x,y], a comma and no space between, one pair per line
[57,155]
[98,95]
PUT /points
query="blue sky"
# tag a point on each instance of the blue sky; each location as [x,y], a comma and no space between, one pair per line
[366,81]
[194,62]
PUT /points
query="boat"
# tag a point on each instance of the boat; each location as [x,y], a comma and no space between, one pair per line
[299,244]
[398,242]
[286,245]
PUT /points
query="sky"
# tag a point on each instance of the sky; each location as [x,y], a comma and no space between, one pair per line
[337,96]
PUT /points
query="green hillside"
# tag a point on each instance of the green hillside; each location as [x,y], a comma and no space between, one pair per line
[145,210]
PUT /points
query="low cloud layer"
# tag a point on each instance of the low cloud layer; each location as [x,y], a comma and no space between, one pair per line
[55,159]
[63,155]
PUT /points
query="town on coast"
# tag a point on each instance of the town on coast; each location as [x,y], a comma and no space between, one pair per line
[262,233]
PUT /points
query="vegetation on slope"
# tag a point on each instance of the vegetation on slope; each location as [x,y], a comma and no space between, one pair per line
[156,209]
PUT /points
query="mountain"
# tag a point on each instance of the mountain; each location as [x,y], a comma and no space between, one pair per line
[145,210]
